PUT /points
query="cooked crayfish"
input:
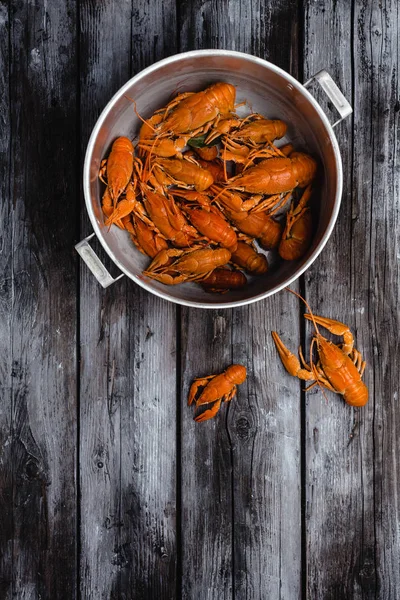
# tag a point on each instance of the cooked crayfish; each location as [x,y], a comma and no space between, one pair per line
[118,167]
[258,225]
[223,279]
[223,126]
[296,237]
[255,203]
[213,225]
[216,168]
[194,265]
[248,258]
[207,153]
[168,219]
[338,369]
[146,238]
[174,171]
[159,146]
[192,113]
[233,200]
[257,130]
[125,207]
[218,388]
[276,175]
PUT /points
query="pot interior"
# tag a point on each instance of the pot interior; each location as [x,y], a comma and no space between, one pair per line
[267,92]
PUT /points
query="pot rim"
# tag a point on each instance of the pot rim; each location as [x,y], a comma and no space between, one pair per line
[176,58]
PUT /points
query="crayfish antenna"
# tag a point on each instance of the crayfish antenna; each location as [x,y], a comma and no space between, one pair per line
[308,307]
[224,161]
[137,112]
[313,367]
[157,137]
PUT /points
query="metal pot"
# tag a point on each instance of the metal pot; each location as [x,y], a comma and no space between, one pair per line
[270,91]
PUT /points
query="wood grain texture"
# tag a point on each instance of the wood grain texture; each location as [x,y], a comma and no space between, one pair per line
[206,460]
[375,210]
[206,464]
[105,65]
[168,508]
[352,497]
[38,290]
[264,429]
[338,511]
[6,216]
[128,379]
[149,417]
[334,482]
[236,470]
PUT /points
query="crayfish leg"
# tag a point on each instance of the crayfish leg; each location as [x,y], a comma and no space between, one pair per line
[356,357]
[303,362]
[303,200]
[228,397]
[209,413]
[322,382]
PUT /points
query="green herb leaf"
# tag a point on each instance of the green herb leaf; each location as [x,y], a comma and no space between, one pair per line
[199,141]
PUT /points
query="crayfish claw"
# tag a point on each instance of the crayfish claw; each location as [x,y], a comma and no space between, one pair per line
[209,413]
[201,381]
[335,327]
[290,361]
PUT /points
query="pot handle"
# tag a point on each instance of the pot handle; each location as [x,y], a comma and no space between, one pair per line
[90,257]
[334,94]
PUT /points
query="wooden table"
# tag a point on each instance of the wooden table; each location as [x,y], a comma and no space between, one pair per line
[108,488]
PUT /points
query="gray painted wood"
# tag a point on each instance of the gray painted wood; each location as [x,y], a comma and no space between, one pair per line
[128,366]
[105,61]
[38,355]
[352,492]
[236,470]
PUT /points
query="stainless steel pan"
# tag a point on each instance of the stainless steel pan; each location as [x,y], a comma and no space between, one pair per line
[271,92]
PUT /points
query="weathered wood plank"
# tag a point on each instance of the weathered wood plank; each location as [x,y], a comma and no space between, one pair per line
[148,451]
[264,429]
[149,421]
[6,213]
[336,538]
[206,463]
[38,455]
[352,489]
[375,291]
[128,406]
[105,66]
[240,527]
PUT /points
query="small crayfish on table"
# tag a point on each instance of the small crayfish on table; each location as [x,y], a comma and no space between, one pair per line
[339,368]
[216,389]
[201,185]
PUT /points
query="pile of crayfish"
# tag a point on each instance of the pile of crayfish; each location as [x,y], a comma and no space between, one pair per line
[202,191]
